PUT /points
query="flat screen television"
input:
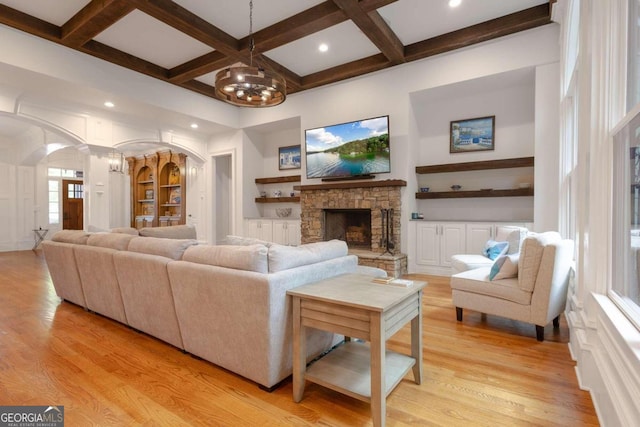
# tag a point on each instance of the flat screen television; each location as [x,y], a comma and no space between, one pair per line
[352,149]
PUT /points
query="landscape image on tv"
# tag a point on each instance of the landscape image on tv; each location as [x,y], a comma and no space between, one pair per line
[348,149]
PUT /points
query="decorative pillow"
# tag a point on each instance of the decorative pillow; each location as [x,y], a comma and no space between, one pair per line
[505,267]
[244,241]
[493,249]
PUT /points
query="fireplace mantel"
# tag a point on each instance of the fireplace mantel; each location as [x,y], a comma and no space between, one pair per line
[360,184]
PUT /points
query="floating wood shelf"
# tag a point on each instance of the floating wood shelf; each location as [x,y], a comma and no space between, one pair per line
[516,192]
[279,179]
[519,162]
[295,199]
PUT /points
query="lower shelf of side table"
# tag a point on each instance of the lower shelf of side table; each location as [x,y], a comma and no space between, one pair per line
[347,369]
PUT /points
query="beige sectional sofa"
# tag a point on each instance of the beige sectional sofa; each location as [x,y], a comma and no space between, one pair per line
[225,304]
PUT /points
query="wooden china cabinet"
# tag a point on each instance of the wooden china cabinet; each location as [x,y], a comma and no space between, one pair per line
[158,189]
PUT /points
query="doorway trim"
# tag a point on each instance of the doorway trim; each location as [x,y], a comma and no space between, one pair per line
[232,196]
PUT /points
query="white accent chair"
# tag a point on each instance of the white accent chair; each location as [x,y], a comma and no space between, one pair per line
[509,233]
[536,295]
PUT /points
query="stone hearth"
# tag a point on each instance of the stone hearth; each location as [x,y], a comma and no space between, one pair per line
[370,195]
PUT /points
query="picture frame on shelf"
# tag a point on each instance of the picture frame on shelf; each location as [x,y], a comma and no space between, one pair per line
[175,196]
[174,175]
[148,194]
[289,157]
[470,135]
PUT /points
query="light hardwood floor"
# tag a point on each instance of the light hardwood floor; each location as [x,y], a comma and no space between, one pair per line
[485,371]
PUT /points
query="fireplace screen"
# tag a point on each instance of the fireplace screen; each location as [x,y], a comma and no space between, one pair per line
[351,225]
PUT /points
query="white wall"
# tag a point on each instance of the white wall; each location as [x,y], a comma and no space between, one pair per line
[547,150]
[510,98]
[389,92]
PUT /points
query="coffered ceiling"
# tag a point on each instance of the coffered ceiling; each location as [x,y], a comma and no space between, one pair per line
[185,42]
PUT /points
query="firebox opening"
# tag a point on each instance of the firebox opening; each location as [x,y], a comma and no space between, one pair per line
[351,225]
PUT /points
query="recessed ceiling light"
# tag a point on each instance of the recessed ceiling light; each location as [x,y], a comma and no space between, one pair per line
[194,126]
[323,47]
[109,104]
[454,3]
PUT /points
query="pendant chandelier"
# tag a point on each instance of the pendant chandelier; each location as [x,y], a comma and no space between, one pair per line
[250,86]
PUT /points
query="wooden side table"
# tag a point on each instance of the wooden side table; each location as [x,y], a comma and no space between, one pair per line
[354,306]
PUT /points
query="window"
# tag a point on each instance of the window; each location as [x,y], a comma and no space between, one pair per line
[626,221]
[633,55]
[74,191]
[625,288]
[54,201]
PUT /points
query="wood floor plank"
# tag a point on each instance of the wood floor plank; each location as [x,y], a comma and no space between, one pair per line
[484,371]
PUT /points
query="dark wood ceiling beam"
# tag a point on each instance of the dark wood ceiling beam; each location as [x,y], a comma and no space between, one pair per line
[199,66]
[29,24]
[93,19]
[192,25]
[375,28]
[310,21]
[314,19]
[123,59]
[345,71]
[294,81]
[488,30]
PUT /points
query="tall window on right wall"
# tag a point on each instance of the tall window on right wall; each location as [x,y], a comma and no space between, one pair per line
[625,289]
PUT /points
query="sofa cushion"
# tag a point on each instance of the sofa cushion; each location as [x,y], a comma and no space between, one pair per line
[242,241]
[78,237]
[493,249]
[125,230]
[505,267]
[168,248]
[117,241]
[464,262]
[477,281]
[285,257]
[513,235]
[171,232]
[248,257]
[531,255]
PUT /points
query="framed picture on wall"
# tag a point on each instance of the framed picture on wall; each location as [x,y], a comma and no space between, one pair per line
[289,157]
[470,135]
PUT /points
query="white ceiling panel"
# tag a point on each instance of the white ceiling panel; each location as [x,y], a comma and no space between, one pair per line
[345,41]
[147,38]
[417,20]
[232,17]
[53,11]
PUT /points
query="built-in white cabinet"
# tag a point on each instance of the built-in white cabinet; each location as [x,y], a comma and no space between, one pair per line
[479,232]
[259,229]
[282,231]
[437,242]
[286,231]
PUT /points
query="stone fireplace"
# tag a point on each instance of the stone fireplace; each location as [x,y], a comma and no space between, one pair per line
[351,225]
[339,210]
